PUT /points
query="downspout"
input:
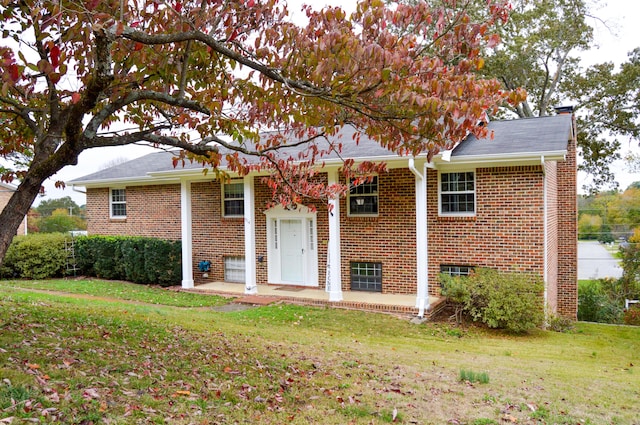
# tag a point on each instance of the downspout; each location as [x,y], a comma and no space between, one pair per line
[422,299]
[545,273]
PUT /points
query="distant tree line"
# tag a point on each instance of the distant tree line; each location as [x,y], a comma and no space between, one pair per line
[57,215]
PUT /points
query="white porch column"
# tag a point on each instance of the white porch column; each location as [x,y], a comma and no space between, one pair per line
[249,237]
[187,240]
[334,275]
[422,299]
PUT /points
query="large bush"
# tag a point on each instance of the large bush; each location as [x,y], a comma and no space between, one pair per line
[601,300]
[630,280]
[36,256]
[136,259]
[511,301]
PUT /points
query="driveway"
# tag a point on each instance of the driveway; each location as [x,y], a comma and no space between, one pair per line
[595,262]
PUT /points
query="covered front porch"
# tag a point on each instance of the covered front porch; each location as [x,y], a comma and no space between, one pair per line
[353,300]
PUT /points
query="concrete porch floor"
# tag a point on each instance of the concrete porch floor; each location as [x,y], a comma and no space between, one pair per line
[355,300]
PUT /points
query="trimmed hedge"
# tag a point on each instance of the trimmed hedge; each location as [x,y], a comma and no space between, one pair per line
[35,256]
[131,258]
[135,259]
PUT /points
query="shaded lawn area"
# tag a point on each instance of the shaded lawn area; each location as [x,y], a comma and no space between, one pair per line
[65,359]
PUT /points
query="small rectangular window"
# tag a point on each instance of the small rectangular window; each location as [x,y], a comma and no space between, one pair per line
[363,198]
[456,270]
[118,201]
[312,243]
[234,269]
[457,193]
[233,198]
[366,277]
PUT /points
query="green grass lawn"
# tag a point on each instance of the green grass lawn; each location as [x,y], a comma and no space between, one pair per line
[113,353]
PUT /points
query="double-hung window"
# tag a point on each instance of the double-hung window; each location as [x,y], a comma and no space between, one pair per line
[118,203]
[363,198]
[233,198]
[457,193]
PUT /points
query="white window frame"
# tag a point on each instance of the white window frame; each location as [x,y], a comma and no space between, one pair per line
[119,202]
[456,270]
[234,266]
[376,195]
[224,199]
[473,192]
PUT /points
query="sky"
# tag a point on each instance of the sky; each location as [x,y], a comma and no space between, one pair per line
[616,35]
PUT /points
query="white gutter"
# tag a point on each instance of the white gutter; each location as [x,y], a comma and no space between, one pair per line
[545,275]
[503,158]
[422,253]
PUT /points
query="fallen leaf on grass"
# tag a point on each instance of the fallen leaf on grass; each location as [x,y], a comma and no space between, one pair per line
[510,418]
[90,394]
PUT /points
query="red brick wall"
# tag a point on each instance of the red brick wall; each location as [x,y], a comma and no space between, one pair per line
[389,238]
[506,233]
[568,234]
[152,211]
[551,178]
[214,236]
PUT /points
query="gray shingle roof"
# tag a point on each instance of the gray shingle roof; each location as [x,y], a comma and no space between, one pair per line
[527,135]
[511,137]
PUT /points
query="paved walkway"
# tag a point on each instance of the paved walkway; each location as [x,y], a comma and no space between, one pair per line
[595,262]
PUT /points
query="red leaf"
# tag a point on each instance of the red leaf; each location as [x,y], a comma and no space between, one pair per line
[91,4]
[251,3]
[75,98]
[14,72]
[138,46]
[54,54]
[178,6]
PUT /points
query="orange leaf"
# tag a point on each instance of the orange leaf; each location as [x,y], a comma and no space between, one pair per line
[33,366]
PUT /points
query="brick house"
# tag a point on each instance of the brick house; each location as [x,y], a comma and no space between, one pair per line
[507,203]
[6,190]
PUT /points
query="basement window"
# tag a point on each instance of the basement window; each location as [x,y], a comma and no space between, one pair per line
[456,270]
[234,269]
[118,203]
[366,277]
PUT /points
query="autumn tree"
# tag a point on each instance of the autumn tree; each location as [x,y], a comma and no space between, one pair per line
[540,51]
[207,76]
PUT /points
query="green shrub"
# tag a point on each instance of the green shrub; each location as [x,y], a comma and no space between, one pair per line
[132,258]
[163,261]
[511,301]
[558,323]
[600,301]
[36,256]
[108,261]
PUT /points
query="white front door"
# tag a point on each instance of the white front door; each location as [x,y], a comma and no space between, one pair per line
[292,251]
[292,248]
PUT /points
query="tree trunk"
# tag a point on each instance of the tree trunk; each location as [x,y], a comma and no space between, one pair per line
[15,211]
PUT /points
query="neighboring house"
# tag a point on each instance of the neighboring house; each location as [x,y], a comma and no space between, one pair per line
[6,190]
[507,203]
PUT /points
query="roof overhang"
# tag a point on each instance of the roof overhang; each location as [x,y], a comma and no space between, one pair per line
[440,161]
[501,160]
